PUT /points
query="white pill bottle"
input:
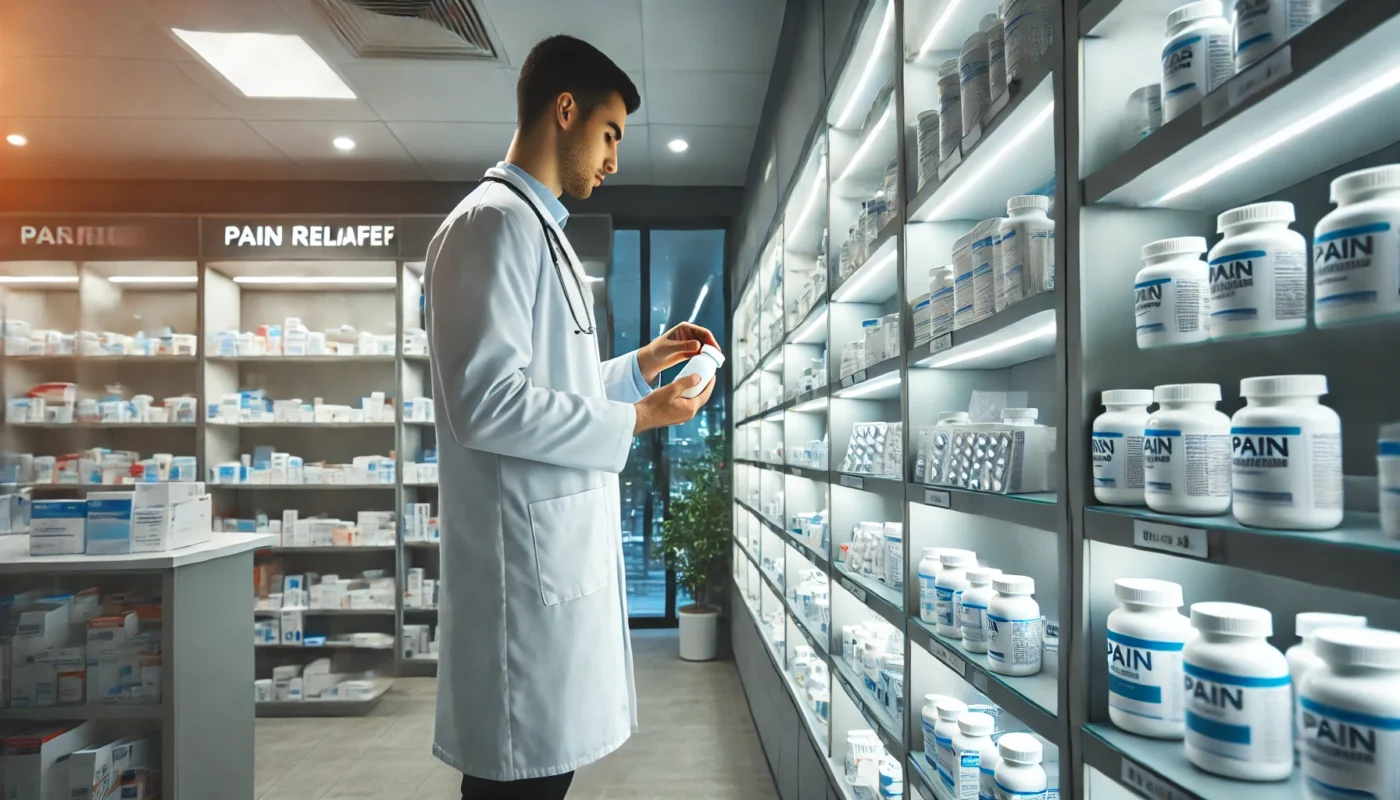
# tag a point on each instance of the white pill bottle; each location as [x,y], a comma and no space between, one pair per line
[1286,470]
[1262,25]
[929,714]
[1013,627]
[1116,447]
[987,770]
[972,608]
[1172,293]
[948,589]
[974,81]
[992,27]
[1196,57]
[1258,273]
[1019,776]
[1186,451]
[1351,715]
[1303,656]
[1356,249]
[705,364]
[949,109]
[985,236]
[1028,247]
[1388,478]
[1238,709]
[964,302]
[928,593]
[974,734]
[1146,637]
[1030,30]
[941,300]
[949,710]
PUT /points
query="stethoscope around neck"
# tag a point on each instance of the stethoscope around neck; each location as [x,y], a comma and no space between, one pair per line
[550,240]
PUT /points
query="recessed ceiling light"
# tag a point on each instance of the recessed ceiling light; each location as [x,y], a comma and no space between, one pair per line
[678,145]
[268,64]
[17,139]
[343,143]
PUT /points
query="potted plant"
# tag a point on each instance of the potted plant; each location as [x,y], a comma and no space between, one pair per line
[695,541]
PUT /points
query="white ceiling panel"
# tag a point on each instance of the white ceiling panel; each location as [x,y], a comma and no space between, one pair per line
[434,91]
[738,35]
[633,157]
[378,155]
[455,151]
[717,156]
[107,28]
[223,16]
[706,98]
[250,108]
[101,87]
[614,26]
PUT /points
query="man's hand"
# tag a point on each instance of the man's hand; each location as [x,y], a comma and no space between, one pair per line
[668,405]
[673,347]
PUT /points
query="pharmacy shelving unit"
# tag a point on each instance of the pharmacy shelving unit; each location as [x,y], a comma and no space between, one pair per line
[205,714]
[1322,105]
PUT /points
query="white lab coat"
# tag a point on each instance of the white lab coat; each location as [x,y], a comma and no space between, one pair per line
[535,664]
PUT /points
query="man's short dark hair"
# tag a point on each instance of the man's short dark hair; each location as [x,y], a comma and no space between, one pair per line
[564,64]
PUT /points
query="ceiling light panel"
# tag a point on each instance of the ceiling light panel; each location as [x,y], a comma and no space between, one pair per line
[268,64]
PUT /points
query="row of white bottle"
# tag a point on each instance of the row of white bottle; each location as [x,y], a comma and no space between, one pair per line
[973,760]
[988,612]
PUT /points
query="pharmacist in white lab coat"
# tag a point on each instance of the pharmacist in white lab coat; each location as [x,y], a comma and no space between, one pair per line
[535,666]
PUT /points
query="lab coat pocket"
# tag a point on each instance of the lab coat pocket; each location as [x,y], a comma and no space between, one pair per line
[572,545]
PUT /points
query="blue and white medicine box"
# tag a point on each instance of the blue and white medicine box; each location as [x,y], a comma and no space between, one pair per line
[109,523]
[57,527]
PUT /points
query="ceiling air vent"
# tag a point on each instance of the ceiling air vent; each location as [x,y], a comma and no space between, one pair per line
[423,29]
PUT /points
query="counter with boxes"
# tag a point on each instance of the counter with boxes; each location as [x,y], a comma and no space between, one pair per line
[153,517]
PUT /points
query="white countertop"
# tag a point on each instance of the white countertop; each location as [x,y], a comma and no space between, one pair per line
[15,558]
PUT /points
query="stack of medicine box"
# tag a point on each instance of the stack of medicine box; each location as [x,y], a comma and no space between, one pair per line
[419,642]
[152,518]
[881,338]
[122,768]
[419,591]
[419,524]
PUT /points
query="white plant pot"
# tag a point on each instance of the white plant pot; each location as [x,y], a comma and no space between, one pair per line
[699,629]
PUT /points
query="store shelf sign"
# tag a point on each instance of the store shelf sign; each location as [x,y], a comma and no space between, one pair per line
[940,344]
[1175,539]
[98,238]
[858,592]
[1147,784]
[344,237]
[934,497]
[852,482]
[949,659]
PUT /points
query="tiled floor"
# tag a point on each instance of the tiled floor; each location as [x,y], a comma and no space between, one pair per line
[696,742]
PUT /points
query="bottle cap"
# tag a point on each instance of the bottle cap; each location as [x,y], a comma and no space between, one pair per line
[1284,386]
[1127,397]
[949,67]
[1187,393]
[974,723]
[1024,201]
[1278,211]
[932,552]
[1310,622]
[713,352]
[950,709]
[1148,592]
[982,575]
[1354,183]
[1020,413]
[1020,747]
[1232,619]
[1359,647]
[1181,245]
[988,22]
[960,559]
[1014,584]
[958,416]
[1194,11]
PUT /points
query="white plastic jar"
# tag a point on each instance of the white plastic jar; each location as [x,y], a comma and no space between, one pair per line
[705,364]
[1013,627]
[1030,30]
[1303,657]
[1116,446]
[1388,478]
[928,594]
[1196,57]
[1146,636]
[941,300]
[991,26]
[950,584]
[1020,417]
[949,710]
[1186,451]
[949,109]
[929,716]
[1262,25]
[1172,303]
[1351,715]
[972,606]
[1019,776]
[974,81]
[1143,115]
[1356,249]
[1238,711]
[972,737]
[987,768]
[927,137]
[984,286]
[1286,470]
[1028,247]
[964,303]
[1258,273]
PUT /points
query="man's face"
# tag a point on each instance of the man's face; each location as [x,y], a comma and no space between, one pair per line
[588,146]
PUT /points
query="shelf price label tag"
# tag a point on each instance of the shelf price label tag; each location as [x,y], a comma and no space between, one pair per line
[1173,539]
[1147,784]
[852,482]
[979,681]
[949,659]
[1251,82]
[849,586]
[859,377]
[934,497]
[848,381]
[940,344]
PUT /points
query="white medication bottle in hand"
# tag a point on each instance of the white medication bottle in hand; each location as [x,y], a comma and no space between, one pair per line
[1146,637]
[705,364]
[1186,451]
[1258,273]
[1303,656]
[1013,627]
[1350,725]
[1356,249]
[1238,695]
[1286,470]
[1172,293]
[1116,447]
[1019,776]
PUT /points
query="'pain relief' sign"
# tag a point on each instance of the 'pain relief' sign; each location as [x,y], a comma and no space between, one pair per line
[347,236]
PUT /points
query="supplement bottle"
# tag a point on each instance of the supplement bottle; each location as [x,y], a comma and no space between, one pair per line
[974,85]
[1019,776]
[1027,247]
[1262,25]
[705,364]
[964,308]
[1146,636]
[1186,451]
[948,588]
[1013,627]
[1030,27]
[1351,715]
[1287,466]
[1388,478]
[972,607]
[1258,273]
[1116,446]
[948,712]
[1303,657]
[1143,115]
[974,734]
[929,714]
[949,110]
[1196,57]
[984,285]
[941,300]
[1172,302]
[927,138]
[995,31]
[1238,715]
[1356,249]
[987,769]
[928,594]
